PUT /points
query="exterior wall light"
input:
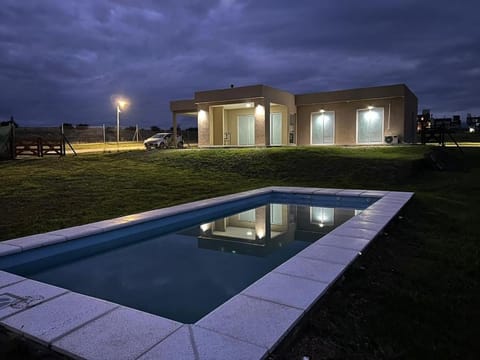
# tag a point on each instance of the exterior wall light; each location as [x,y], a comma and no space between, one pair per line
[259,110]
[202,115]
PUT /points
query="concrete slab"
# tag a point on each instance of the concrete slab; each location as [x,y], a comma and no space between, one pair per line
[286,290]
[55,318]
[345,242]
[306,268]
[376,219]
[34,241]
[123,333]
[359,224]
[6,249]
[194,342]
[322,191]
[178,345]
[350,192]
[256,321]
[354,232]
[297,190]
[214,346]
[28,293]
[7,279]
[329,254]
[374,193]
[77,231]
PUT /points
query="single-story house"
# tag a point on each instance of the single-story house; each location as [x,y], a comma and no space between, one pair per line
[260,115]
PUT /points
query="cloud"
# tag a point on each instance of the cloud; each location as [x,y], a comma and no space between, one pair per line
[62,60]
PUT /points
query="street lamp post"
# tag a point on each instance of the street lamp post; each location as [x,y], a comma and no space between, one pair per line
[120,105]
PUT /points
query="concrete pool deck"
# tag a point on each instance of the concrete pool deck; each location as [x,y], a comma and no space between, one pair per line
[248,326]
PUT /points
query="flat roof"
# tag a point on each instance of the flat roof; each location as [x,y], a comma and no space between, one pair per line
[259,91]
[375,92]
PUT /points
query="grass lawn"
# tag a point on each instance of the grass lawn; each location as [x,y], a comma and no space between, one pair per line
[413,294]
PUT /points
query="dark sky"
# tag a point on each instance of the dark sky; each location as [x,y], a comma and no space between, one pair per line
[64,60]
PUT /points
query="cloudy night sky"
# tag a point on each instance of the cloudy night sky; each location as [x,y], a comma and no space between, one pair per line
[64,60]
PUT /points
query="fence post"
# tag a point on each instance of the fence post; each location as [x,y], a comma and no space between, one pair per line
[104,137]
[63,150]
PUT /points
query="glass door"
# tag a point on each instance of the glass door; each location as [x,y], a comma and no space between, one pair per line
[370,126]
[246,130]
[276,129]
[323,128]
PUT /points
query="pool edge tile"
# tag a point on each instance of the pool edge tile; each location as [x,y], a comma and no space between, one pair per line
[95,339]
[66,319]
[7,249]
[271,287]
[273,320]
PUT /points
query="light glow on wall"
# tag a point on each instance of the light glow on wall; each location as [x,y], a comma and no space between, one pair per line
[371,115]
[202,115]
[260,110]
[205,227]
[260,234]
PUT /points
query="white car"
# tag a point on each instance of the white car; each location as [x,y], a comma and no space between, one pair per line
[162,141]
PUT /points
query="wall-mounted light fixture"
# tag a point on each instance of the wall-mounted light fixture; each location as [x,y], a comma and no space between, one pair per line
[259,110]
[202,115]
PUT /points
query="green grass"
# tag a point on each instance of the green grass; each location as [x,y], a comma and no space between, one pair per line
[413,293]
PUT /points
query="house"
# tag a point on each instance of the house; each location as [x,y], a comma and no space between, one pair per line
[260,115]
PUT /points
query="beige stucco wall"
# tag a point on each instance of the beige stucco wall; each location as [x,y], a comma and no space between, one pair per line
[217,124]
[411,111]
[346,119]
[203,126]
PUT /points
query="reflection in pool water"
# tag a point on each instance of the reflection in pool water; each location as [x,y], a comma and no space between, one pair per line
[184,274]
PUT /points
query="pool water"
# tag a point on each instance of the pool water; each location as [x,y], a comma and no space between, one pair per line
[183,273]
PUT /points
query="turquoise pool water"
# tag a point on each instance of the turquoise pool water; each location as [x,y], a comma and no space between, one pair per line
[183,266]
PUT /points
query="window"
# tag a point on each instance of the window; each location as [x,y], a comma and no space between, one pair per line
[246,130]
[323,128]
[322,216]
[276,129]
[276,214]
[370,126]
[248,215]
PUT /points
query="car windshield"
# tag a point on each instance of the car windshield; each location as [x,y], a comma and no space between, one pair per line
[159,135]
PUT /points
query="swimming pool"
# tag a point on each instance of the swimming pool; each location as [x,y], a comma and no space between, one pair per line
[240,238]
[176,262]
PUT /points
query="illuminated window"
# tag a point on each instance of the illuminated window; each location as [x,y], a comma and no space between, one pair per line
[276,129]
[246,130]
[322,216]
[370,126]
[323,128]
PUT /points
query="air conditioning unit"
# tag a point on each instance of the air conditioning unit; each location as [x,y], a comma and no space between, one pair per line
[391,139]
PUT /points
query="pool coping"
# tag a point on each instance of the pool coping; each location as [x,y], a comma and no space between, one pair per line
[249,325]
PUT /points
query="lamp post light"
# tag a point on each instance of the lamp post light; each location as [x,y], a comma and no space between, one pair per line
[121,104]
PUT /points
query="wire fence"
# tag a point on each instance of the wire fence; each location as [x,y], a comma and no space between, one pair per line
[98,134]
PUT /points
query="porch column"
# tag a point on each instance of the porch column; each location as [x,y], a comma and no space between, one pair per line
[203,126]
[262,122]
[174,124]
